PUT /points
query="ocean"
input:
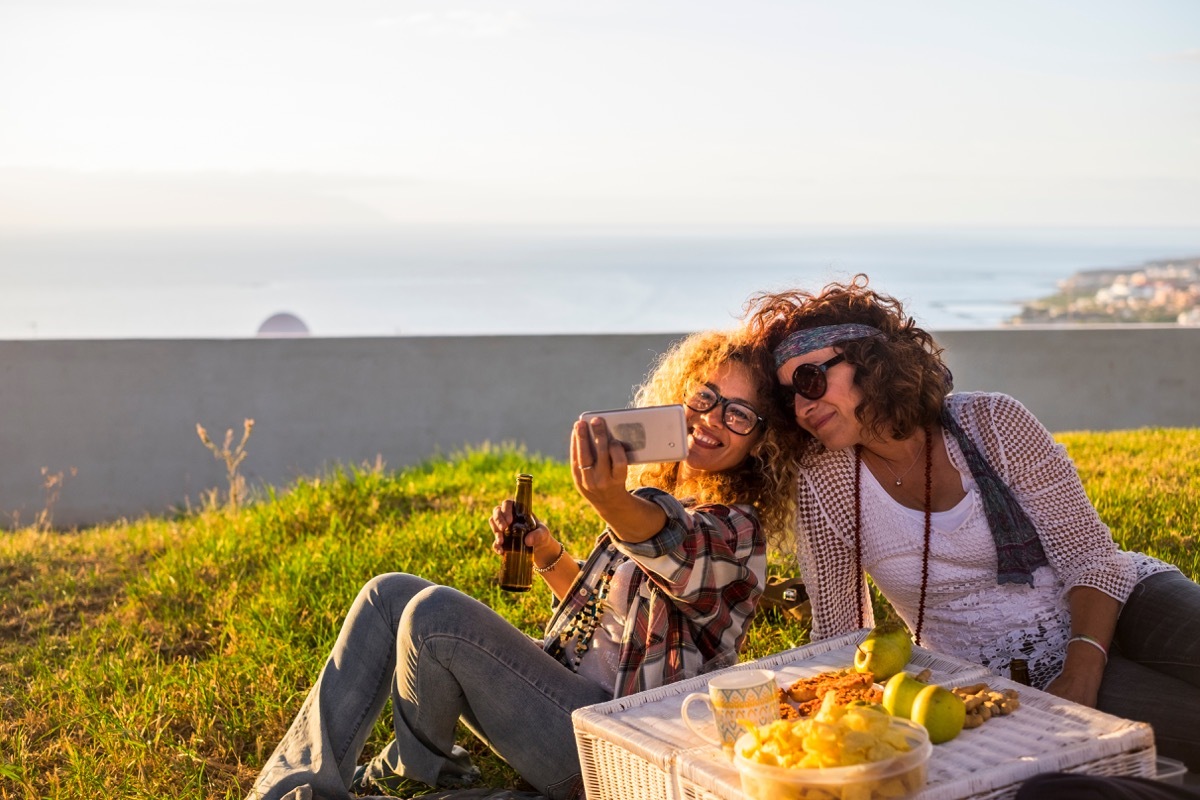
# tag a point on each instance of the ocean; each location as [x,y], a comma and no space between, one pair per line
[428,282]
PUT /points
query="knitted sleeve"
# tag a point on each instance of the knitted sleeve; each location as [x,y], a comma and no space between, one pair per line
[825,546]
[1044,481]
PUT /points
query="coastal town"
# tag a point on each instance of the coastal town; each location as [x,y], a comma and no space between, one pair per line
[1164,291]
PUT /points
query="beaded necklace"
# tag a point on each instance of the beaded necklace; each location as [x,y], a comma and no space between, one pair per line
[928,529]
[583,623]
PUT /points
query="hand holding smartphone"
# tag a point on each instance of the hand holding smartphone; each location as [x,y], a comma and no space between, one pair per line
[649,434]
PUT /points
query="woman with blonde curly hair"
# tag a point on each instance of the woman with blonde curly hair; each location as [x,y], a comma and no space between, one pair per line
[767,479]
[969,518]
[666,593]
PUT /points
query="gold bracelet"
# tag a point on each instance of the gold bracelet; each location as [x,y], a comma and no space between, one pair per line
[562,550]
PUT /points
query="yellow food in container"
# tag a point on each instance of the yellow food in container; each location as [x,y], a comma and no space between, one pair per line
[843,753]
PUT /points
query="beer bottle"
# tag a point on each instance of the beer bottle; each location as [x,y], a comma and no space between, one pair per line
[1018,670]
[517,572]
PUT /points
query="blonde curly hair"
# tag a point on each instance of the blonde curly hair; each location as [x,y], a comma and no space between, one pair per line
[767,479]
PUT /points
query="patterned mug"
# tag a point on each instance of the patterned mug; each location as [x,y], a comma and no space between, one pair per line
[748,695]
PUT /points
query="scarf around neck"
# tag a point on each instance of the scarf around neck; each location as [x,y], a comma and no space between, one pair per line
[1018,549]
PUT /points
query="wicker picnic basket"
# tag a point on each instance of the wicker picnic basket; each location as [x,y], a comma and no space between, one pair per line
[638,746]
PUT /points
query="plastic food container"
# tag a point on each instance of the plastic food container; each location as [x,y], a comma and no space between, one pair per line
[893,777]
[1170,771]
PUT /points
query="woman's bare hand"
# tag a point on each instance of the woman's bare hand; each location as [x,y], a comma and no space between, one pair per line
[1078,683]
[501,520]
[599,468]
[598,464]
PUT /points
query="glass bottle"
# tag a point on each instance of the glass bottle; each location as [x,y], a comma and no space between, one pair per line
[1018,670]
[516,575]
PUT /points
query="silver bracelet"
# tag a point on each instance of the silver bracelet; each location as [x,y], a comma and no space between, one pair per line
[1083,637]
[562,551]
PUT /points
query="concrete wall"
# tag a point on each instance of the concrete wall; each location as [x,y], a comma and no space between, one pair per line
[1110,377]
[123,413]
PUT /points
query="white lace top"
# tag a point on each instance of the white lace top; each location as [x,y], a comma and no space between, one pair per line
[967,614]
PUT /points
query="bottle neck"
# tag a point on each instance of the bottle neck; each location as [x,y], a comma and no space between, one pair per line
[523,498]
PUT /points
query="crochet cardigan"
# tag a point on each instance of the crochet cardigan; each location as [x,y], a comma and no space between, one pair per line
[967,614]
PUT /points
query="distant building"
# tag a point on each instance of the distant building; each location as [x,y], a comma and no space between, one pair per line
[283,324]
[1159,292]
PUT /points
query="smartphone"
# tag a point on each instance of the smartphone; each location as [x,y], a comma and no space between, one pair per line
[649,434]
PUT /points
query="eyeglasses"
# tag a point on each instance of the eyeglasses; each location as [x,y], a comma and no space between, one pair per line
[738,417]
[809,381]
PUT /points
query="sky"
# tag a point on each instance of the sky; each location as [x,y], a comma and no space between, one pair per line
[340,114]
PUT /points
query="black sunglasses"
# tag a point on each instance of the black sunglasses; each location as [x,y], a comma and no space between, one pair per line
[738,417]
[808,380]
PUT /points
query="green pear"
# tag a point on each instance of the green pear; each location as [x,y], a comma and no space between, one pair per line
[899,693]
[884,652]
[940,711]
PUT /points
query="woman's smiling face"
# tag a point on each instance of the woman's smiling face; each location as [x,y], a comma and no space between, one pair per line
[711,446]
[830,418]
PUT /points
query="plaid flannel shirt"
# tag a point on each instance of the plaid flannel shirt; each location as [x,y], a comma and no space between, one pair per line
[690,602]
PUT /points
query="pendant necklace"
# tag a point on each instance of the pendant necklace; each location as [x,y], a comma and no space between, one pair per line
[898,478]
[928,530]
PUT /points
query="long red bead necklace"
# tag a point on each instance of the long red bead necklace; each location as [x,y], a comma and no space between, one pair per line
[858,570]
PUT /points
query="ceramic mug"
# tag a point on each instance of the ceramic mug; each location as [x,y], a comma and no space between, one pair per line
[748,695]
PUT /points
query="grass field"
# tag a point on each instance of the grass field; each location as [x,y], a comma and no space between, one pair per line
[165,657]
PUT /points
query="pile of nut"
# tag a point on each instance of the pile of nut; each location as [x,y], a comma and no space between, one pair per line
[983,702]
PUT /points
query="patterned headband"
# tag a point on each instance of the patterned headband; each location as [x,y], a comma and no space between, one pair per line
[806,341]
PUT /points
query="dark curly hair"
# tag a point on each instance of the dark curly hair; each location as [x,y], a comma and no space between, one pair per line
[901,374]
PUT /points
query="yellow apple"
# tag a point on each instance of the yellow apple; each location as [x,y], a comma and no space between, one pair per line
[884,652]
[940,711]
[899,693]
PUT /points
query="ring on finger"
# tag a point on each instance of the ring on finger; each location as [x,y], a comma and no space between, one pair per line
[589,466]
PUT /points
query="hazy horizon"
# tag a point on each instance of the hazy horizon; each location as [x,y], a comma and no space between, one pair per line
[201,284]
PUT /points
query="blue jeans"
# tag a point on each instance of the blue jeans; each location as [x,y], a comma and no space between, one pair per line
[1153,672]
[442,656]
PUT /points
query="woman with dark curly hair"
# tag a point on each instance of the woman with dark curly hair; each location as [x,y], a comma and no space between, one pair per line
[666,593]
[969,518]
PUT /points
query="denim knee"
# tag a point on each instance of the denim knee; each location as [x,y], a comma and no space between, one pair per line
[391,583]
[391,592]
[434,609]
